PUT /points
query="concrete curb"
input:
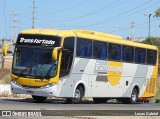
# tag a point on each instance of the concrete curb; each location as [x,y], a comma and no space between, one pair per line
[5,90]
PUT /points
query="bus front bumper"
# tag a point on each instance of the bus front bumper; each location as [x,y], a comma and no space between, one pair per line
[50,91]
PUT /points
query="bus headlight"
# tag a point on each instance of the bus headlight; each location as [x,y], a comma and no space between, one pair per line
[48,85]
[13,81]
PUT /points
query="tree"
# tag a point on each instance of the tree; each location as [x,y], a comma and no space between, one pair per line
[157,13]
[153,41]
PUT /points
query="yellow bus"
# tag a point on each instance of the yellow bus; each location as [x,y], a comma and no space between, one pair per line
[74,64]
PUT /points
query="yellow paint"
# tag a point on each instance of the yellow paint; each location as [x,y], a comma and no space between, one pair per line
[55,53]
[33,82]
[5,49]
[114,72]
[152,85]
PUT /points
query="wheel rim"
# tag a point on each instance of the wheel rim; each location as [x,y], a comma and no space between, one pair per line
[134,96]
[77,94]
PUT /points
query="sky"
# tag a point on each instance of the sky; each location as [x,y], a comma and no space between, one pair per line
[121,17]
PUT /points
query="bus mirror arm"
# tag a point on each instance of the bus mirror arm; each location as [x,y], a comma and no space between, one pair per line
[55,53]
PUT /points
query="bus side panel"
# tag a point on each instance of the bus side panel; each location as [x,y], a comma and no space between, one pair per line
[78,75]
[66,89]
[107,81]
[151,84]
[138,79]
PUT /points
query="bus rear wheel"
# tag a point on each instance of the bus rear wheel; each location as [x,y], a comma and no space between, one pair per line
[78,95]
[39,99]
[133,98]
[100,100]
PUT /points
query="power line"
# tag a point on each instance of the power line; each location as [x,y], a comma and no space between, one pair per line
[75,6]
[106,20]
[82,16]
[91,13]
[111,20]
[136,26]
[106,7]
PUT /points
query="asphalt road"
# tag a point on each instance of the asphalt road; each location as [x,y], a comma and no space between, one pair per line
[52,104]
[61,110]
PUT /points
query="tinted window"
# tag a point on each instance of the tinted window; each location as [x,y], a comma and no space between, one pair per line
[84,47]
[67,56]
[140,55]
[114,51]
[99,50]
[127,53]
[151,57]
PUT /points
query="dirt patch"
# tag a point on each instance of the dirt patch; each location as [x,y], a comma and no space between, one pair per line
[5,76]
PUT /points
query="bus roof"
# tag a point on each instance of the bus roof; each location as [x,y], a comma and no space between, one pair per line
[42,31]
[90,35]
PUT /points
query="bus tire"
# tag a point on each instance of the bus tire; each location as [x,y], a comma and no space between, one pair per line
[78,95]
[134,96]
[132,99]
[39,99]
[99,100]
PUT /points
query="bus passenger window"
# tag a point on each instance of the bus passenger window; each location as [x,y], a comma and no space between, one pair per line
[151,57]
[99,50]
[114,52]
[127,53]
[84,47]
[140,55]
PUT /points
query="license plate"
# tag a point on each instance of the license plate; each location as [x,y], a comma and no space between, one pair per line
[29,91]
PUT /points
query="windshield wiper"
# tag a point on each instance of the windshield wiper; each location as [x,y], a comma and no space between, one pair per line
[29,76]
[43,77]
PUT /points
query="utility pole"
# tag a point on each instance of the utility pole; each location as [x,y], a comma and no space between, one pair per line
[2,58]
[15,26]
[33,14]
[149,25]
[132,30]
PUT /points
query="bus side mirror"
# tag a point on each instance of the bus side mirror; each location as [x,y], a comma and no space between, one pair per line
[5,49]
[55,53]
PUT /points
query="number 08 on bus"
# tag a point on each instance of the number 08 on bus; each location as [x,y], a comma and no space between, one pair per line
[77,64]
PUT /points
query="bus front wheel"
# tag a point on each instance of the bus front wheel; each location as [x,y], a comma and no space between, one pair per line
[78,95]
[39,99]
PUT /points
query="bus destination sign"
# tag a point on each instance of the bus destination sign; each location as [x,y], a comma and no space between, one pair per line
[38,40]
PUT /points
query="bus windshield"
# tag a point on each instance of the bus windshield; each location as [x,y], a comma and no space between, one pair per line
[33,56]
[34,62]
